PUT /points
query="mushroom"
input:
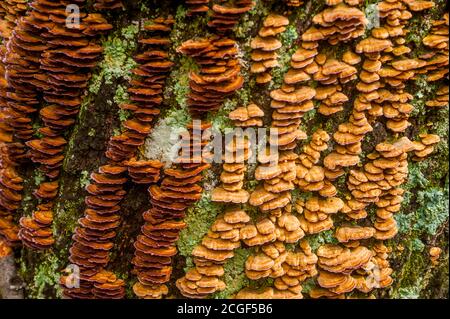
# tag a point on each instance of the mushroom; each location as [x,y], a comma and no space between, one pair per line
[197,6]
[225,17]
[108,4]
[36,231]
[265,46]
[216,247]
[209,88]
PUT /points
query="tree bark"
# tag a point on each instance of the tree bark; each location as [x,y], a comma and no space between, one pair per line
[427,188]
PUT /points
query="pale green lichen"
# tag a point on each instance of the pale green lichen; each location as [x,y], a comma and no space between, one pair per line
[289,36]
[91,132]
[118,61]
[85,179]
[199,220]
[39,177]
[423,88]
[46,277]
[432,211]
[325,237]
[220,120]
[121,96]
[180,87]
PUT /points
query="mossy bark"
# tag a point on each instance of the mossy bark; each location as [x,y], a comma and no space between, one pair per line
[99,119]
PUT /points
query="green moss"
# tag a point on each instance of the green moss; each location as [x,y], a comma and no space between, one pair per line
[423,89]
[177,117]
[234,277]
[121,96]
[284,60]
[199,220]
[289,36]
[85,179]
[417,245]
[39,177]
[325,237]
[220,120]
[418,29]
[67,213]
[410,292]
[308,285]
[91,132]
[118,61]
[180,88]
[46,277]
[432,211]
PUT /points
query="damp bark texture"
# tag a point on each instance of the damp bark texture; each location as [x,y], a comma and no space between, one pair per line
[423,220]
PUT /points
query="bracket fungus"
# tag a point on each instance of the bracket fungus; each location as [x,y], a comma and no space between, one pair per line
[197,6]
[437,40]
[320,210]
[219,75]
[108,4]
[425,146]
[435,254]
[146,90]
[265,45]
[441,99]
[294,3]
[93,238]
[36,231]
[226,16]
[156,245]
[210,256]
[339,22]
[247,116]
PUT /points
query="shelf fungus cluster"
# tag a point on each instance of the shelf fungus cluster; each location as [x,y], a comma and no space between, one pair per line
[10,198]
[294,3]
[332,74]
[10,11]
[67,61]
[94,237]
[316,213]
[196,6]
[392,65]
[336,265]
[232,178]
[425,146]
[20,51]
[265,46]
[437,41]
[156,245]
[226,14]
[339,22]
[306,222]
[219,74]
[441,99]
[310,177]
[277,169]
[36,231]
[144,172]
[247,116]
[379,182]
[145,91]
[210,256]
[289,269]
[46,65]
